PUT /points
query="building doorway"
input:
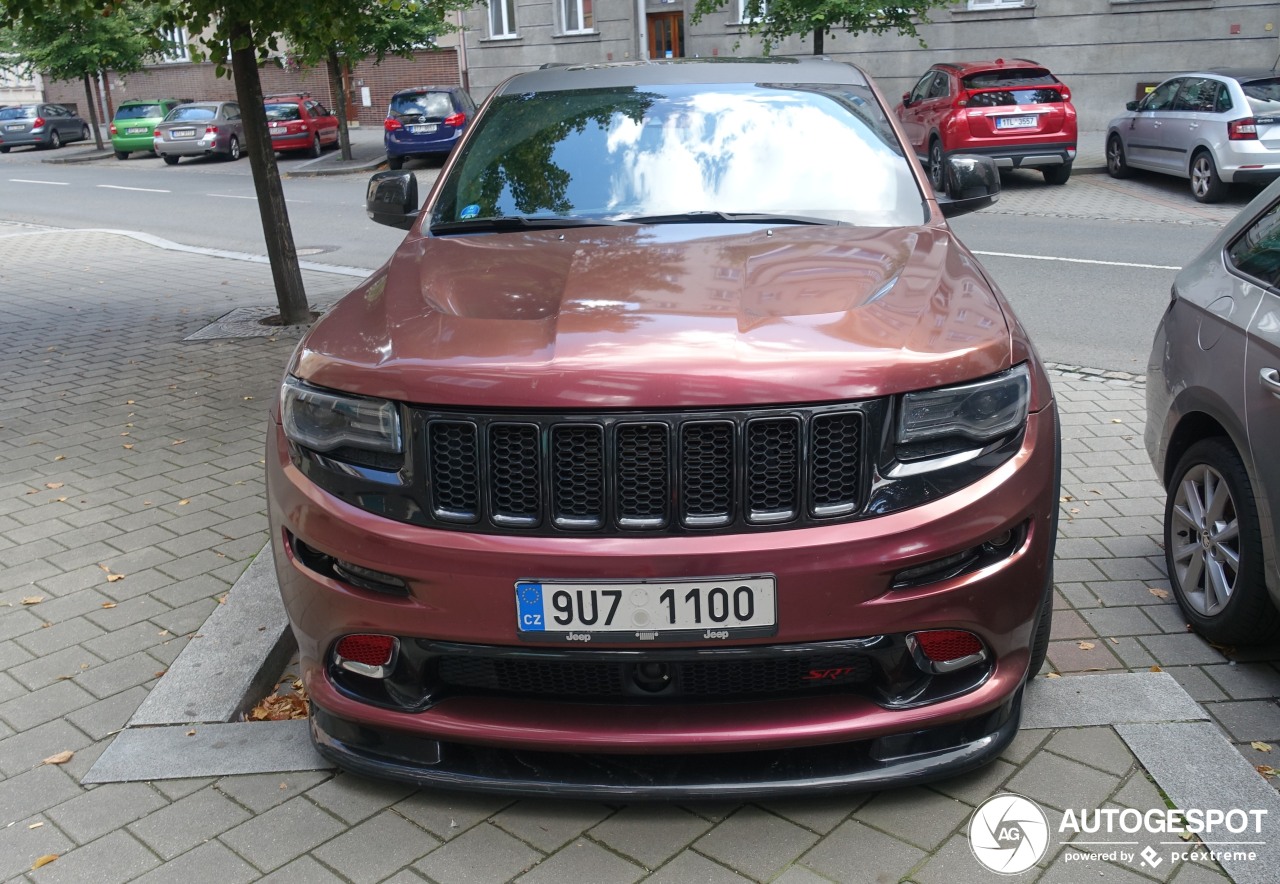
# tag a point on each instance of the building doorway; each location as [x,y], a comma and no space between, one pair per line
[666,34]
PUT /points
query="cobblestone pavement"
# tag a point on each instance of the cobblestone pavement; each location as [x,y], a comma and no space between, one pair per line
[131,501]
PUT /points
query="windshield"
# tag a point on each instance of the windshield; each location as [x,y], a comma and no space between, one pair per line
[1263,95]
[823,152]
[191,112]
[138,111]
[18,113]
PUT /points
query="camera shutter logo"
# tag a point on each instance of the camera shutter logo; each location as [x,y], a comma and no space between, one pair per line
[1008,834]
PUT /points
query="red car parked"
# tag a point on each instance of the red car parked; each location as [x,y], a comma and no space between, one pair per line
[674,453]
[1012,110]
[300,123]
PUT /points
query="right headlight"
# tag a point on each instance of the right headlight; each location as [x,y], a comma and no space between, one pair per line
[323,420]
[950,419]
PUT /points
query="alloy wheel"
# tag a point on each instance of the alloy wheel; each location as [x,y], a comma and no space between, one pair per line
[1205,532]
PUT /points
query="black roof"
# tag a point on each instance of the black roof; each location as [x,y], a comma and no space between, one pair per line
[670,72]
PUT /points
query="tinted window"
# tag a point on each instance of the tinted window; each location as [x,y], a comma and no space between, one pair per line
[424,105]
[1162,97]
[282,112]
[1018,77]
[1257,251]
[619,153]
[1263,96]
[191,112]
[18,113]
[138,111]
[1197,94]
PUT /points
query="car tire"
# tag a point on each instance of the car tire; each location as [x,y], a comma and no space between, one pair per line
[1057,174]
[170,161]
[1206,186]
[55,140]
[1117,165]
[122,155]
[314,151]
[395,163]
[4,150]
[84,133]
[233,149]
[1213,547]
[937,167]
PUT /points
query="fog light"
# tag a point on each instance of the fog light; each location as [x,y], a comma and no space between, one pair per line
[369,655]
[368,578]
[945,650]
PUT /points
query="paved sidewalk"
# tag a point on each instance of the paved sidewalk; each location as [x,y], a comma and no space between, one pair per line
[131,504]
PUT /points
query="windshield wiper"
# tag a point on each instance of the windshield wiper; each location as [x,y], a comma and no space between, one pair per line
[704,217]
[517,222]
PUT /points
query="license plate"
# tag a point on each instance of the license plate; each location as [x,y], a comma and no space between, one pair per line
[712,609]
[1015,122]
[183,133]
[136,130]
[422,128]
[278,130]
[15,127]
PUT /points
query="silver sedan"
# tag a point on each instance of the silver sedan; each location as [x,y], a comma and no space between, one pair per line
[199,129]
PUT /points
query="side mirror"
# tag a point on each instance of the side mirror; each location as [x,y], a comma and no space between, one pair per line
[392,199]
[906,99]
[1131,105]
[973,182]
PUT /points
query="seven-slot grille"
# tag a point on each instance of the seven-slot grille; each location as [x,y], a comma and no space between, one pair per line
[644,472]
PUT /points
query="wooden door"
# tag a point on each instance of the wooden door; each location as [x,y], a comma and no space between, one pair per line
[666,34]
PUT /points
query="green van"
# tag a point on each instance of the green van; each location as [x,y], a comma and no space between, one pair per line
[134,123]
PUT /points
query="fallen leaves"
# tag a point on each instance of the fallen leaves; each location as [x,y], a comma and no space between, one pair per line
[1052,675]
[1086,646]
[1156,669]
[1261,746]
[1157,592]
[44,861]
[111,576]
[33,600]
[108,604]
[285,705]
[59,758]
[1267,771]
[53,486]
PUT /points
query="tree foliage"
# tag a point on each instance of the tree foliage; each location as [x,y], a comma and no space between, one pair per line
[775,20]
[67,44]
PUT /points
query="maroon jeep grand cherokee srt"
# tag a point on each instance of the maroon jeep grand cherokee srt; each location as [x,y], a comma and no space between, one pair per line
[680,450]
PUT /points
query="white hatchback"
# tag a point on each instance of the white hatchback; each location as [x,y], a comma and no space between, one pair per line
[1214,127]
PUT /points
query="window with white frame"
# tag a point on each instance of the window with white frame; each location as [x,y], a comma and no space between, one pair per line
[174,45]
[577,16]
[745,12]
[502,18]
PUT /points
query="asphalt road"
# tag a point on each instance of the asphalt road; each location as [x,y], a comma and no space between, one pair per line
[1088,266]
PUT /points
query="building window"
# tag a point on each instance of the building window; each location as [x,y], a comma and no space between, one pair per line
[751,10]
[174,45]
[576,15]
[502,18]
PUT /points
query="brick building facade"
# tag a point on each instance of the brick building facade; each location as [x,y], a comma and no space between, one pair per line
[198,80]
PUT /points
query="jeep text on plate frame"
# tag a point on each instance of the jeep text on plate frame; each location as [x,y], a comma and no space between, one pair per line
[705,609]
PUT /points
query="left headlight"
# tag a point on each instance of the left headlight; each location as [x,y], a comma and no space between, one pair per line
[957,417]
[324,420]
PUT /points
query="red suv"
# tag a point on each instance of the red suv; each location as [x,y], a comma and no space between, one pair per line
[299,122]
[1012,110]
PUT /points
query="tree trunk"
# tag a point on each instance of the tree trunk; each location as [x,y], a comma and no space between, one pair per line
[281,252]
[339,102]
[93,112]
[106,93]
[817,41]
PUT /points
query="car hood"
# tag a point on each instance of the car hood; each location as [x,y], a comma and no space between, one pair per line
[663,315]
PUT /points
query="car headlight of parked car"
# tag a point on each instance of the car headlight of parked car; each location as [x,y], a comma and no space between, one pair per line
[948,420]
[326,421]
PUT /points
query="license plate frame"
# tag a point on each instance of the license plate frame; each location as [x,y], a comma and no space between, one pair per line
[136,130]
[14,127]
[699,609]
[277,131]
[1025,121]
[182,133]
[423,128]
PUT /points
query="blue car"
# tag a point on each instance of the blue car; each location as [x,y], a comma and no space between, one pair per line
[425,121]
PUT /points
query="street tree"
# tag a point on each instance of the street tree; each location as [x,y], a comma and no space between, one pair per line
[80,43]
[365,29]
[775,20]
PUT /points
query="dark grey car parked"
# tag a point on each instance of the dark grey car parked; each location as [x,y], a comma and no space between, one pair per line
[40,125]
[1213,424]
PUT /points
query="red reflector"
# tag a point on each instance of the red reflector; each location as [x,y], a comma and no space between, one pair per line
[391,125]
[1243,130]
[371,650]
[455,120]
[944,645]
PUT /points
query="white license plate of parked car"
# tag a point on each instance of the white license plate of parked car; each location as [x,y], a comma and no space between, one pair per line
[136,130]
[15,127]
[679,610]
[1015,122]
[182,133]
[422,128]
[277,130]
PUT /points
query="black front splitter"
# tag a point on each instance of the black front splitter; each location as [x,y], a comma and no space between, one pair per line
[895,761]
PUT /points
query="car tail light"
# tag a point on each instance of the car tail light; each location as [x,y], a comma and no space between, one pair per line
[112,129]
[1243,130]
[210,130]
[455,120]
[392,125]
[366,654]
[155,134]
[1065,93]
[962,100]
[939,651]
[37,122]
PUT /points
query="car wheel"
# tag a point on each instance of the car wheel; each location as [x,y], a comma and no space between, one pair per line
[122,155]
[394,163]
[1056,174]
[55,140]
[937,170]
[170,161]
[1117,166]
[315,148]
[233,149]
[4,150]
[84,133]
[1206,186]
[1213,547]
